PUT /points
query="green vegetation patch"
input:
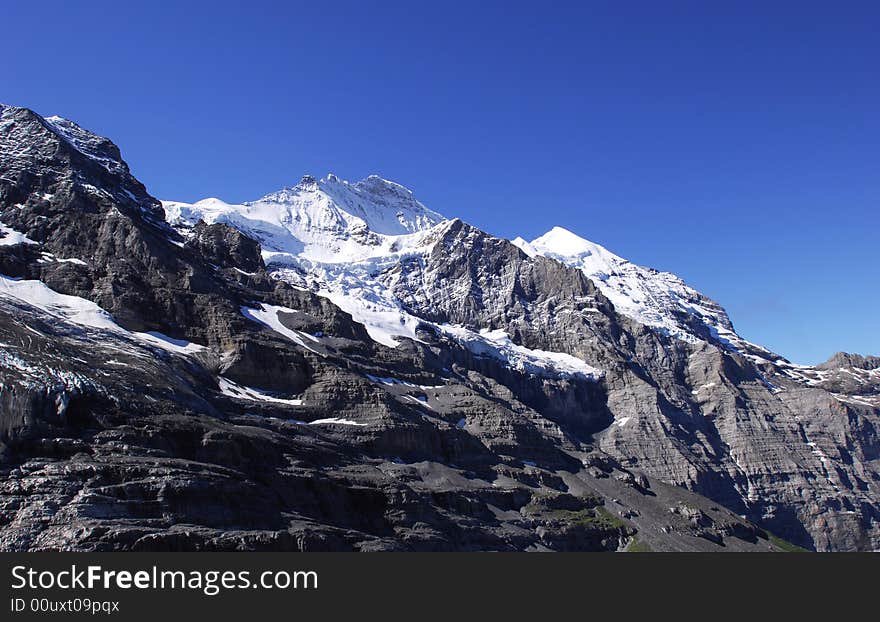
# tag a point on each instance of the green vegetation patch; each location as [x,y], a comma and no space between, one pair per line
[637,546]
[785,545]
[593,518]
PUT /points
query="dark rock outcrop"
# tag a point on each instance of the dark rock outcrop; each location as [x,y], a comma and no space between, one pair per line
[188,398]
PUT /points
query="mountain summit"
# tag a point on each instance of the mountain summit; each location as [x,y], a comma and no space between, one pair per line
[660,300]
[333,219]
[333,204]
[334,366]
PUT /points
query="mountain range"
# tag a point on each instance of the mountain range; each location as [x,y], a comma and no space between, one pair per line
[335,366]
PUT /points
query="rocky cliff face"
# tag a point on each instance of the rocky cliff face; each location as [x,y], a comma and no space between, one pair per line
[793,449]
[336,367]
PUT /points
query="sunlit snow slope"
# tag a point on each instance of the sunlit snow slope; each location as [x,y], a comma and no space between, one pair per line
[334,237]
[660,300]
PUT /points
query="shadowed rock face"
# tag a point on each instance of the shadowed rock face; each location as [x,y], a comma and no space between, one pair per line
[226,247]
[764,440]
[214,406]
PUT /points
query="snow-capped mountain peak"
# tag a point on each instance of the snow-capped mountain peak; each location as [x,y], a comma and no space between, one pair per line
[569,248]
[340,233]
[330,203]
[332,236]
[509,371]
[660,300]
[564,243]
[325,220]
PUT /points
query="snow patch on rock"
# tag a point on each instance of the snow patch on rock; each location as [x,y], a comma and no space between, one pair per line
[178,346]
[11,237]
[497,344]
[268,316]
[241,392]
[336,421]
[71,308]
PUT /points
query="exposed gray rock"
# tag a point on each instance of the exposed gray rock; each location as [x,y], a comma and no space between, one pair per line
[844,360]
[227,431]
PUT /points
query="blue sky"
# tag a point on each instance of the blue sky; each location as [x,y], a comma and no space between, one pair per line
[737,146]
